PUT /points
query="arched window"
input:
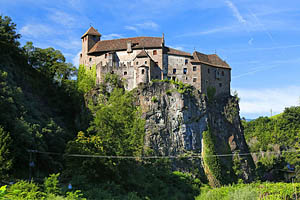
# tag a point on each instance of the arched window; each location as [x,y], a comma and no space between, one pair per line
[143,71]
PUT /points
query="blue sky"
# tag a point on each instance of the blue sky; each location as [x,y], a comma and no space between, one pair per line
[259,39]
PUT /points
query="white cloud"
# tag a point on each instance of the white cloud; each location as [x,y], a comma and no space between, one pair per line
[235,12]
[111,36]
[177,47]
[132,28]
[75,60]
[68,44]
[148,25]
[261,101]
[63,18]
[209,31]
[35,30]
[250,42]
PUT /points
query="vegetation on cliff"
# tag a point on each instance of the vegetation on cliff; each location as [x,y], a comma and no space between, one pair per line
[278,139]
[212,166]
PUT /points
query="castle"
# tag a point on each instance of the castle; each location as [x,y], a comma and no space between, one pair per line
[142,59]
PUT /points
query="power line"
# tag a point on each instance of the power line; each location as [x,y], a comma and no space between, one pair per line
[160,157]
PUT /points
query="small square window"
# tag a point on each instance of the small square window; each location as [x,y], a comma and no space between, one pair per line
[90,59]
[194,68]
[106,55]
[186,78]
[125,73]
[137,62]
[184,70]
[186,61]
[154,52]
[146,62]
[174,78]
[174,71]
[194,80]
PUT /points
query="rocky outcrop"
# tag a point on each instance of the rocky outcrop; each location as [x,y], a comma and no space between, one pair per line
[175,122]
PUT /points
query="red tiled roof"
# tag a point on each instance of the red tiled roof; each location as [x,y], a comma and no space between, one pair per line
[172,51]
[212,59]
[91,31]
[121,44]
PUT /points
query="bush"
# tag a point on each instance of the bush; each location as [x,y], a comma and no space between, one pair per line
[51,184]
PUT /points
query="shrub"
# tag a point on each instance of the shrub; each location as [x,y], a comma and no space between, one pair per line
[51,184]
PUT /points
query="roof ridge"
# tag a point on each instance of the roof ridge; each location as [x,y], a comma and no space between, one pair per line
[130,38]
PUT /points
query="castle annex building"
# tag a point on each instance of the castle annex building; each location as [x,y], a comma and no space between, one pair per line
[142,59]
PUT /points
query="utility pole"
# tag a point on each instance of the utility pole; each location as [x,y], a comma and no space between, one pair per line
[271,112]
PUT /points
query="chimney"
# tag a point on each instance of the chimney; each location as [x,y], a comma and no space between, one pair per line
[129,49]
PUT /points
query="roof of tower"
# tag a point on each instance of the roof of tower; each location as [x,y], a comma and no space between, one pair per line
[142,54]
[212,59]
[91,31]
[121,44]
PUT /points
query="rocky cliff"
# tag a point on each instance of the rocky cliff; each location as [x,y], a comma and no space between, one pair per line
[176,118]
[192,128]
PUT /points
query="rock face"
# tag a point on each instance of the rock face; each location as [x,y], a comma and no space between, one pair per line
[176,120]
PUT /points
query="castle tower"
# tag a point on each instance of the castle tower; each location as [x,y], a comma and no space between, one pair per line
[88,39]
[142,74]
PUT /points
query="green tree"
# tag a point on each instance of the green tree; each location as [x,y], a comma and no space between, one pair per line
[8,34]
[50,62]
[5,157]
[86,78]
[116,130]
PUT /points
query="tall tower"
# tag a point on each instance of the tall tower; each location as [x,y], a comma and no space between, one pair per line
[89,39]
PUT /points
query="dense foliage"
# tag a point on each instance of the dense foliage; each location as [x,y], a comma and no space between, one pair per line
[267,191]
[86,78]
[277,135]
[38,104]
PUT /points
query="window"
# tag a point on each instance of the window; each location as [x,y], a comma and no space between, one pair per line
[90,59]
[186,61]
[184,70]
[143,71]
[125,73]
[208,71]
[81,55]
[137,62]
[173,78]
[220,84]
[112,72]
[186,78]
[156,77]
[222,73]
[146,62]
[106,55]
[169,78]
[194,80]
[174,71]
[194,68]
[154,52]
